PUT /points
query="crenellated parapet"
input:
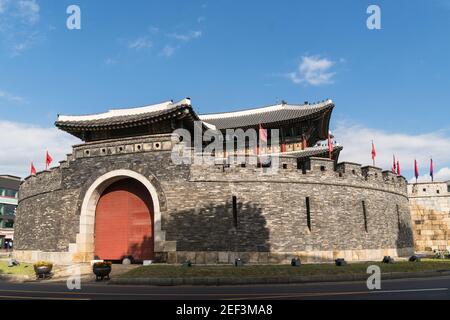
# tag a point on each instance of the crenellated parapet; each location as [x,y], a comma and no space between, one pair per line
[311,171]
[44,182]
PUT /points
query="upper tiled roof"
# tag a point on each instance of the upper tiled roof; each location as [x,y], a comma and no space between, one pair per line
[133,117]
[265,115]
[122,116]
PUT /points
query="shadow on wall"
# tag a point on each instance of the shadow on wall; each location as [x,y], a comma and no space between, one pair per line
[143,250]
[405,238]
[233,226]
[240,228]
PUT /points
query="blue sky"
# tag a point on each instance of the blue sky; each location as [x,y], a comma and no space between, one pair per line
[390,85]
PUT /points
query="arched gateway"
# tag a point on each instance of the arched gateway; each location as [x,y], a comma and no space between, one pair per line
[120,216]
[124,222]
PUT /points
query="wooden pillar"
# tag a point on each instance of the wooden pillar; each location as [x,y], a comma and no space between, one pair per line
[304,142]
[283,142]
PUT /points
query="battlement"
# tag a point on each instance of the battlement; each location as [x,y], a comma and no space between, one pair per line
[312,170]
[284,167]
[44,181]
[431,189]
[153,143]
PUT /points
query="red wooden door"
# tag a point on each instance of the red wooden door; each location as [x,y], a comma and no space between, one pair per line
[124,222]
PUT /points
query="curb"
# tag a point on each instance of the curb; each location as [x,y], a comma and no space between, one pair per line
[214,281]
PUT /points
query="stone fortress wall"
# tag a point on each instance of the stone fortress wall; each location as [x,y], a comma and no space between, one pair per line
[430,213]
[216,213]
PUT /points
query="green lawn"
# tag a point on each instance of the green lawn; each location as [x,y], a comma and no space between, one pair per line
[23,269]
[173,271]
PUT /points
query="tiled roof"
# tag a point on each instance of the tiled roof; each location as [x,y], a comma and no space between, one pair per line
[266,115]
[123,116]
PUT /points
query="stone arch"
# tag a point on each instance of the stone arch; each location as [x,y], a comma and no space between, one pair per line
[83,249]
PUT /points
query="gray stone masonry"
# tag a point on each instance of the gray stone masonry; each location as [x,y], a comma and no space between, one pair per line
[197,211]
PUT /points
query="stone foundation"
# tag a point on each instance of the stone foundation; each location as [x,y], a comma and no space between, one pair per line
[226,257]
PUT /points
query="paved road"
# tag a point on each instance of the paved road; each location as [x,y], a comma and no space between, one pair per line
[426,288]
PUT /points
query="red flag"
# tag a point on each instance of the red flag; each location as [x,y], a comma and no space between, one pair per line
[394,166]
[330,145]
[374,153]
[262,134]
[33,169]
[48,160]
[416,169]
[399,173]
[432,170]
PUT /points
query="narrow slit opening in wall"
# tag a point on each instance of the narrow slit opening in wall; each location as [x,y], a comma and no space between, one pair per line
[398,218]
[365,215]
[308,213]
[235,213]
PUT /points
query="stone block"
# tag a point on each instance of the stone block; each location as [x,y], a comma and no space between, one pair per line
[211,257]
[200,258]
[223,257]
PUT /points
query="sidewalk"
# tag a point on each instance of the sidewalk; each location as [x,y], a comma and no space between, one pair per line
[62,273]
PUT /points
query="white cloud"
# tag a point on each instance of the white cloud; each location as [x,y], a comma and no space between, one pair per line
[110,61]
[168,51]
[313,70]
[23,143]
[28,11]
[18,27]
[24,43]
[140,43]
[357,140]
[186,37]
[11,97]
[153,30]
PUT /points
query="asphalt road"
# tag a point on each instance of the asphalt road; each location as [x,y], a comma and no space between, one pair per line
[426,288]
